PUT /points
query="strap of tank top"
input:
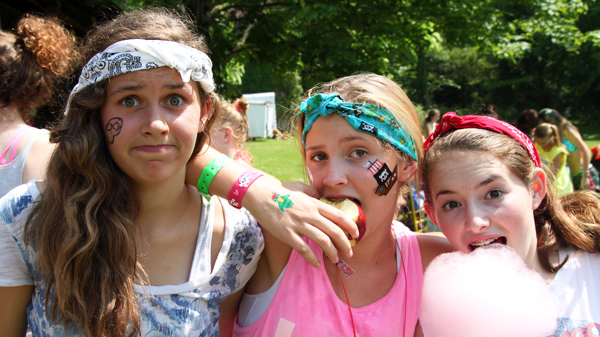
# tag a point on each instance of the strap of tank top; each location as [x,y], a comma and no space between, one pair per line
[14,142]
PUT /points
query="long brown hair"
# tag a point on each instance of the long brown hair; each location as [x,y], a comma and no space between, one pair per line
[571,221]
[37,56]
[83,227]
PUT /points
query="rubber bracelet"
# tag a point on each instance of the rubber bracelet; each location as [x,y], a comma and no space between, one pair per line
[241,186]
[210,171]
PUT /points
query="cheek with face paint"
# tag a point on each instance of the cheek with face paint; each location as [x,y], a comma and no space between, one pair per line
[383,175]
[113,128]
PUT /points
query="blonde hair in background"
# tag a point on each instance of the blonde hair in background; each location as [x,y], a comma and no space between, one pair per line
[545,131]
[233,115]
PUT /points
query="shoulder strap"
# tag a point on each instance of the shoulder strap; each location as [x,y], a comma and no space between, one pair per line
[14,143]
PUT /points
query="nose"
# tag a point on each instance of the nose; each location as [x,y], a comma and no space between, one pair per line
[477,219]
[155,123]
[335,174]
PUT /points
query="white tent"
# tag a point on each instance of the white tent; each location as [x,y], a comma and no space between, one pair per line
[262,117]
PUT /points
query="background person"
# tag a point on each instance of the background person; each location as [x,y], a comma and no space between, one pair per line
[230,131]
[433,116]
[35,58]
[554,154]
[579,153]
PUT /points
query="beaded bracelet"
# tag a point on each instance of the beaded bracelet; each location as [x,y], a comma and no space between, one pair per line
[241,186]
[210,171]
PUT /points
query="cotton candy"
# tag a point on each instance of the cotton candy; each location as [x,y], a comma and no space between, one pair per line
[489,292]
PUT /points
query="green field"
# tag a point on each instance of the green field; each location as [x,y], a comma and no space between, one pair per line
[280,158]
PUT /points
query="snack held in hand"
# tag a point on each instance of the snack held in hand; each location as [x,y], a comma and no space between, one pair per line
[353,210]
[488,292]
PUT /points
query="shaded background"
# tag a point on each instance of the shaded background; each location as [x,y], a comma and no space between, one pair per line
[449,54]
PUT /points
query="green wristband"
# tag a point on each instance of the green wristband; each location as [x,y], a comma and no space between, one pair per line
[210,171]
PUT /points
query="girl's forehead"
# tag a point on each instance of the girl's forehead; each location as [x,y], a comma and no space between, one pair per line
[334,128]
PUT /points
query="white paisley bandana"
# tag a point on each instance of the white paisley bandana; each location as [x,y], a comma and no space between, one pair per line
[132,55]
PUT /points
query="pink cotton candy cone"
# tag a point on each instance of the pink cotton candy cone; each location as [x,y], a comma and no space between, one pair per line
[489,292]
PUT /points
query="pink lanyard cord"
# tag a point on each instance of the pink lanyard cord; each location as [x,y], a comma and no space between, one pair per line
[14,142]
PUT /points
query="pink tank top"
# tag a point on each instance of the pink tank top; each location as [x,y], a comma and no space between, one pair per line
[306,305]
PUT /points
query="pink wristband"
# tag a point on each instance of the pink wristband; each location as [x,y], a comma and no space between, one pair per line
[241,186]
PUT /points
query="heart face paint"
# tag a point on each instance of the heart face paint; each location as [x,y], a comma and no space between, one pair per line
[384,176]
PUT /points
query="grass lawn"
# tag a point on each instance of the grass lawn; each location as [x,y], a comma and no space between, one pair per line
[279,158]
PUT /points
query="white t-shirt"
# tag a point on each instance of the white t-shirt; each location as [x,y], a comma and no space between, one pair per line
[188,309]
[576,287]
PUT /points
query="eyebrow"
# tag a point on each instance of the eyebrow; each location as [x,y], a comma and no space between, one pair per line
[343,140]
[134,87]
[487,181]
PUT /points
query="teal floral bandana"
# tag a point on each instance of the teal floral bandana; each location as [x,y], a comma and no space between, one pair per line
[363,117]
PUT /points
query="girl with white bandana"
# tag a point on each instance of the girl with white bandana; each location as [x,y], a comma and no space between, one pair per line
[114,242]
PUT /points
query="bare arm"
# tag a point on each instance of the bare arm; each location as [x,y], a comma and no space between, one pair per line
[229,309]
[432,245]
[556,162]
[13,310]
[306,216]
[38,158]
[574,136]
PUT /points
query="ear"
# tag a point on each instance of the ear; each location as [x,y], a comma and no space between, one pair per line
[227,134]
[430,213]
[205,112]
[409,169]
[538,188]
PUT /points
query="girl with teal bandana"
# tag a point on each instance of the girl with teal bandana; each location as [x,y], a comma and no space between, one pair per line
[361,141]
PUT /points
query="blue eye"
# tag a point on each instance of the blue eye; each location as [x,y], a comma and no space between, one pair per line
[175,100]
[130,102]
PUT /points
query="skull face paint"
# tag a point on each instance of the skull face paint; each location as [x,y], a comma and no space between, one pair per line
[113,128]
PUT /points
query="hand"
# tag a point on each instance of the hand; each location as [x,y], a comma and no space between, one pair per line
[305,216]
[585,180]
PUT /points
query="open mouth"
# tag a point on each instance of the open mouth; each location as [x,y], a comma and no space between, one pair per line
[501,240]
[342,199]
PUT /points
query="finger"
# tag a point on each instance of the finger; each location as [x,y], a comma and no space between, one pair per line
[325,242]
[297,243]
[339,218]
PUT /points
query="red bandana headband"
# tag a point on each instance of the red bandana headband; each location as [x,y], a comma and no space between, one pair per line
[450,121]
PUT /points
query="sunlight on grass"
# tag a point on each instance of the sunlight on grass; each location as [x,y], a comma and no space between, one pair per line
[280,158]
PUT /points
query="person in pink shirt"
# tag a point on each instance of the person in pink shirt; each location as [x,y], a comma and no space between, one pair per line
[361,140]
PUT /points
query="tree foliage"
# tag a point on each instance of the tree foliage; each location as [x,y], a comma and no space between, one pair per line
[455,54]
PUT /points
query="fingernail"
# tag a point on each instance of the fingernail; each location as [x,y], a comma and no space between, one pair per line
[318,265]
[337,259]
[350,253]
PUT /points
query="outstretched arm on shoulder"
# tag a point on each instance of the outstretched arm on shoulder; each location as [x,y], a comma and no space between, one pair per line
[301,216]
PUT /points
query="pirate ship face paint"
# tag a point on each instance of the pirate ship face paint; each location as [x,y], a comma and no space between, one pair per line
[383,175]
